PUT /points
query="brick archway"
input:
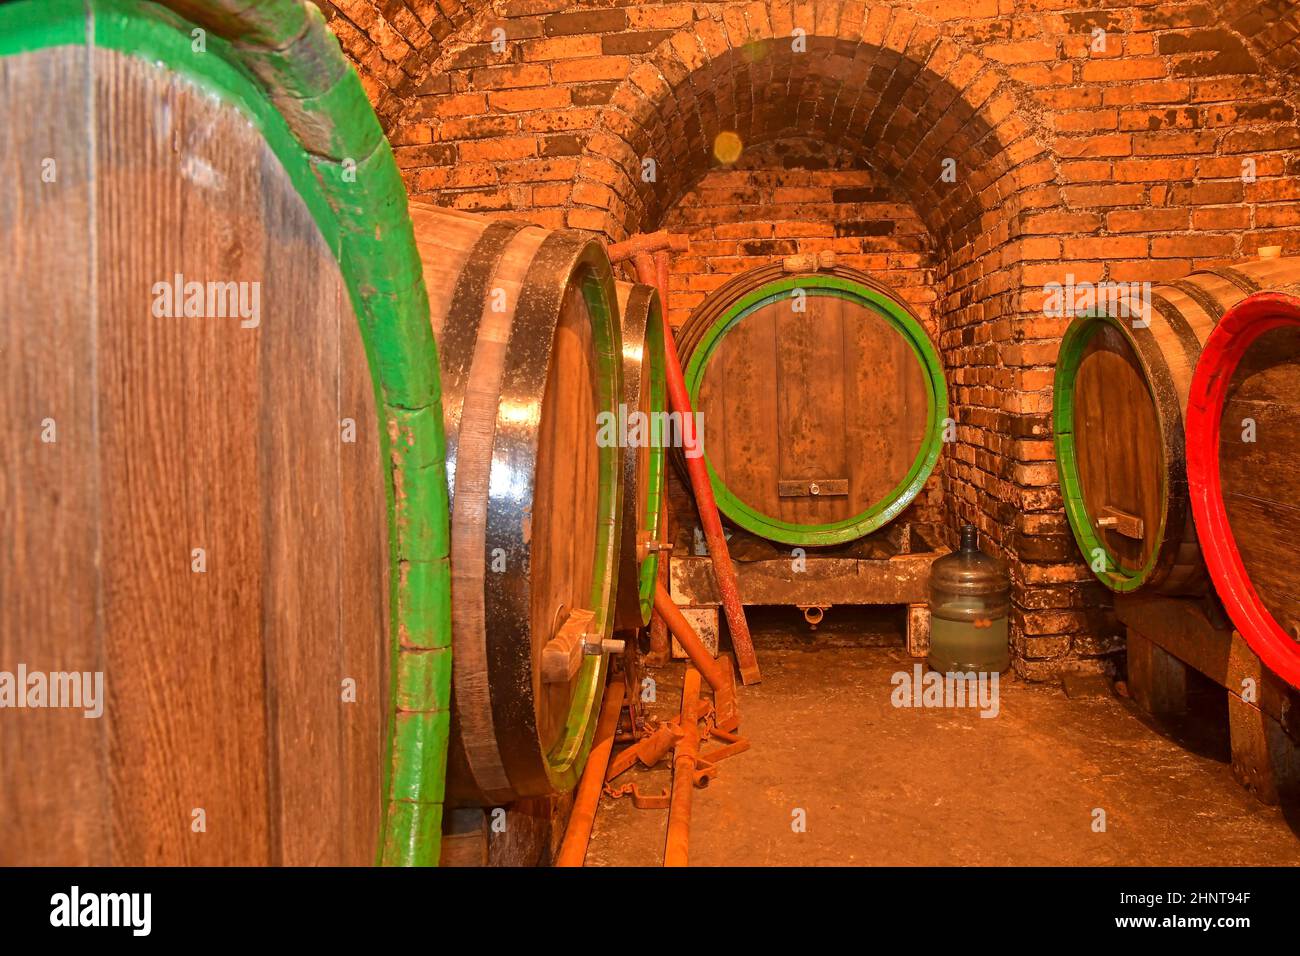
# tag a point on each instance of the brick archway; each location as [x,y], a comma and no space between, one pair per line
[892,89]
[886,85]
[394,43]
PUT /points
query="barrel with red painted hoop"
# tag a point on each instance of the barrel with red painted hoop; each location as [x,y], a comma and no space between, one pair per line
[1243,469]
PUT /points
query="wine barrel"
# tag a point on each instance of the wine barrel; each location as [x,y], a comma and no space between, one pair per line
[821,400]
[645,394]
[204,514]
[1120,396]
[1243,468]
[527,327]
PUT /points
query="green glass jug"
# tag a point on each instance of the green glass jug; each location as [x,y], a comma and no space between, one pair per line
[970,601]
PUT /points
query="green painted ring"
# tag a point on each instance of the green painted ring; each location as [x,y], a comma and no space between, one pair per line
[899,497]
[568,756]
[653,352]
[287,75]
[1073,345]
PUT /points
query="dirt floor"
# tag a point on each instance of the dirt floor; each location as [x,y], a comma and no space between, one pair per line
[884,785]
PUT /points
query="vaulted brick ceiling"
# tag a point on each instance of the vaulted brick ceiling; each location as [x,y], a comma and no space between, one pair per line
[902,118]
[1271,28]
[395,42]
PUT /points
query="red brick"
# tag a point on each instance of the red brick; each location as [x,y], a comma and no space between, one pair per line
[501,147]
[1107,194]
[1113,144]
[1027,51]
[1147,220]
[561,48]
[1105,247]
[1195,246]
[535,98]
[1221,218]
[510,77]
[1105,71]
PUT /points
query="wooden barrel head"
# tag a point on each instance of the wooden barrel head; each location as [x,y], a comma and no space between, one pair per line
[645,401]
[566,506]
[525,320]
[193,490]
[1119,450]
[821,401]
[1243,436]
[1259,469]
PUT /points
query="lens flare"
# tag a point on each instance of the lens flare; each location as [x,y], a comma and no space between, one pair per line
[727,147]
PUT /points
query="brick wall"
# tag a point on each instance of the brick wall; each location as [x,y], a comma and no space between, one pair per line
[1104,142]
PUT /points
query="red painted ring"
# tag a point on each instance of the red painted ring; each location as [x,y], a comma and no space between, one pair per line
[1235,333]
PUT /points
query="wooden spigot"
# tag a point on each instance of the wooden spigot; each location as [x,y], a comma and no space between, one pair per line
[562,655]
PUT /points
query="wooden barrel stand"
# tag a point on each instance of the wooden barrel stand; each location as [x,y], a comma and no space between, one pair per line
[1168,637]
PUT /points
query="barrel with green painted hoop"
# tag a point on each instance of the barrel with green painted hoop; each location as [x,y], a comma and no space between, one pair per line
[821,399]
[224,497]
[527,323]
[1120,397]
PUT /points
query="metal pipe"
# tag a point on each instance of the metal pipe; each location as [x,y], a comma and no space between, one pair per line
[727,713]
[677,844]
[646,242]
[680,402]
[690,641]
[573,850]
[660,647]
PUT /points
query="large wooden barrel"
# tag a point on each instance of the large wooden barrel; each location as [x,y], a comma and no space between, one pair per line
[527,326]
[822,402]
[1120,397]
[218,513]
[645,399]
[1243,465]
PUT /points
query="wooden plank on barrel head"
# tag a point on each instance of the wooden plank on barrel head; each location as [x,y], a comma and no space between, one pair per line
[564,502]
[742,376]
[363,615]
[54,807]
[810,375]
[304,306]
[1119,447]
[180,424]
[885,405]
[562,655]
[820,488]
